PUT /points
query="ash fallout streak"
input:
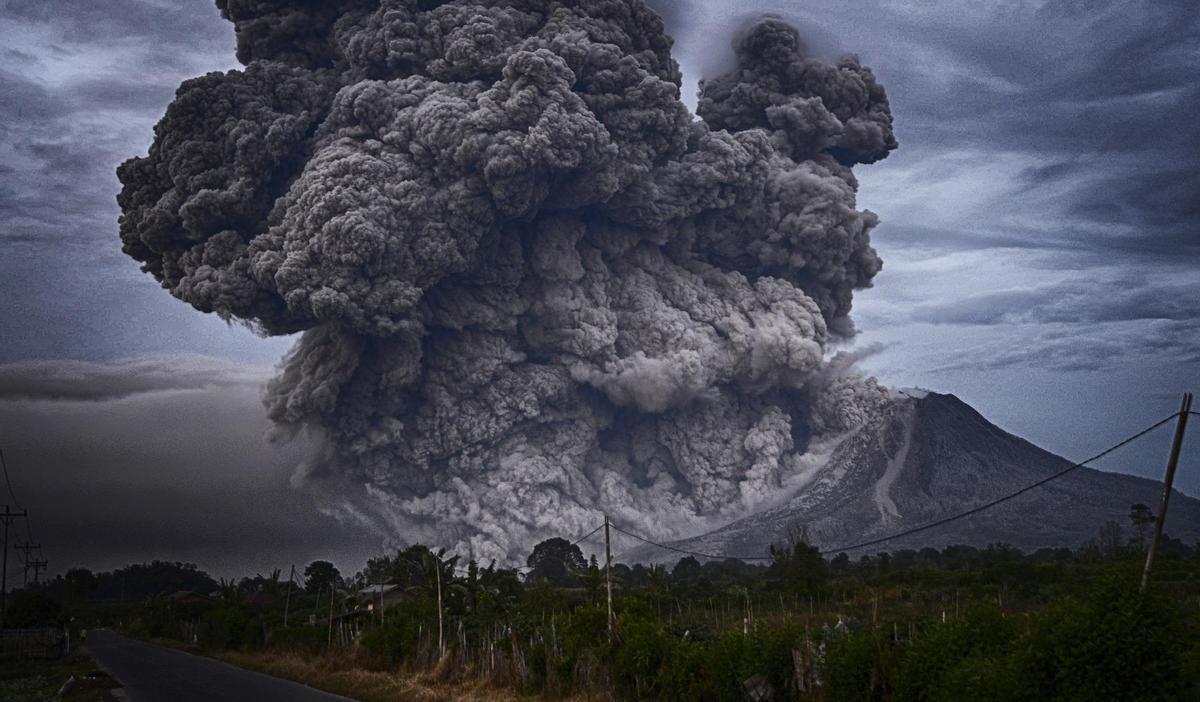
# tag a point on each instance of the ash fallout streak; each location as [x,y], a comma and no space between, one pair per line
[533,288]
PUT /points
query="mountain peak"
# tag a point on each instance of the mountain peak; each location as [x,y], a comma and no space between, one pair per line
[930,455]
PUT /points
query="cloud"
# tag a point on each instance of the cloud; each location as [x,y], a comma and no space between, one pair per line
[109,22]
[531,286]
[1082,299]
[92,381]
[160,457]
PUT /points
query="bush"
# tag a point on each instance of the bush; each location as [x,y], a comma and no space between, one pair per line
[1112,645]
[229,628]
[853,668]
[33,608]
[394,641]
[639,659]
[965,658]
[300,638]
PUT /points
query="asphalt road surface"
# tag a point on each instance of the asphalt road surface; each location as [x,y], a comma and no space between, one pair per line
[155,674]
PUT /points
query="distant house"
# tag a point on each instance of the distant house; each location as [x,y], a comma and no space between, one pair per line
[385,596]
[187,597]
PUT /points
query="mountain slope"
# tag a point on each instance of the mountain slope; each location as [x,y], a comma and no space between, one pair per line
[930,457]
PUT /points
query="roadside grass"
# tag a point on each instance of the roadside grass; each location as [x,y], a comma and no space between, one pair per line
[40,680]
[342,676]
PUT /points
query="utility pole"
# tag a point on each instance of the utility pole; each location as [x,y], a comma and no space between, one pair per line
[437,562]
[26,548]
[1168,481]
[287,600]
[329,635]
[38,567]
[8,515]
[612,632]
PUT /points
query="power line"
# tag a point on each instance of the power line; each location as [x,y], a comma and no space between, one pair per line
[687,552]
[13,495]
[587,535]
[993,503]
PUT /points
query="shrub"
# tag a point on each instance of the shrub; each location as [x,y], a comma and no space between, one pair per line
[969,653]
[394,641]
[228,628]
[853,668]
[34,608]
[639,659]
[1114,644]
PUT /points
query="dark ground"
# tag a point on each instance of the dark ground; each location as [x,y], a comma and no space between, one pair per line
[154,674]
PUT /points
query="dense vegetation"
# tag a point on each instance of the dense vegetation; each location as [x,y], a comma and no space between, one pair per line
[951,624]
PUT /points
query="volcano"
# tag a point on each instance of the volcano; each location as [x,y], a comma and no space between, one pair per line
[926,456]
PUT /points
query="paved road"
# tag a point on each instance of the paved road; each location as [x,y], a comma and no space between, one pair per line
[156,674]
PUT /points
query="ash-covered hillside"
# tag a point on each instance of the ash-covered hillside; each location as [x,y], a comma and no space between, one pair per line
[927,457]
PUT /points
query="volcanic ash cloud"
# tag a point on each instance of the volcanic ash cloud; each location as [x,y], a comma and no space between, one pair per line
[532,287]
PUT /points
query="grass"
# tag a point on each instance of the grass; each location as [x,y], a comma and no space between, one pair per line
[342,676]
[40,680]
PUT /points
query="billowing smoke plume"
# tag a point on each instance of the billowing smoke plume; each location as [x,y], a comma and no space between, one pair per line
[533,288]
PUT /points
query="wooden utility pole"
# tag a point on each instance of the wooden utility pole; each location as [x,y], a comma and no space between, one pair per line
[26,550]
[38,567]
[1172,462]
[437,562]
[612,631]
[329,636]
[287,600]
[8,515]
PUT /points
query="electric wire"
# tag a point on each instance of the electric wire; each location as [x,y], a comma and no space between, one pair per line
[587,535]
[686,551]
[7,481]
[13,495]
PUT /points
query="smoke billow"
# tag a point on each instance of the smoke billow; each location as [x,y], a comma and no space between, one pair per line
[532,287]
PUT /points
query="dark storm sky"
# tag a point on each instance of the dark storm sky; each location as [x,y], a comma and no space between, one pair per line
[1039,236]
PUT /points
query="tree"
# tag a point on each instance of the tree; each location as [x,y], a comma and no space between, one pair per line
[320,576]
[687,570]
[593,579]
[1141,517]
[1110,540]
[81,582]
[557,561]
[158,577]
[798,567]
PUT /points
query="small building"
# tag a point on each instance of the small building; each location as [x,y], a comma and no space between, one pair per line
[385,595]
[187,597]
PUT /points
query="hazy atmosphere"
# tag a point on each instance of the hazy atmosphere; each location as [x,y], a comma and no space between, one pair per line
[1037,230]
